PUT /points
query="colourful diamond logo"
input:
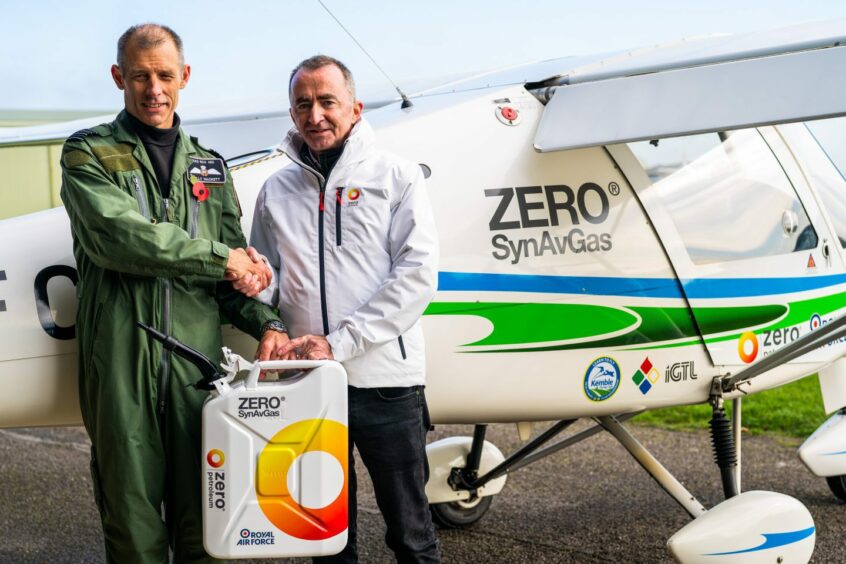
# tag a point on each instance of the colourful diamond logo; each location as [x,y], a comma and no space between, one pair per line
[646,377]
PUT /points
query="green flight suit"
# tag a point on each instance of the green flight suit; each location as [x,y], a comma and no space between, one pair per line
[142,258]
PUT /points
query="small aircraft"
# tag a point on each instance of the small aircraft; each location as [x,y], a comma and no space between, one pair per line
[657,227]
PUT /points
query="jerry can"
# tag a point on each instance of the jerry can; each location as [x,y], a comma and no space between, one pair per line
[275,458]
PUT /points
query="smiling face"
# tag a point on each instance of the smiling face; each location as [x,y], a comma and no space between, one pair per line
[322,107]
[151,80]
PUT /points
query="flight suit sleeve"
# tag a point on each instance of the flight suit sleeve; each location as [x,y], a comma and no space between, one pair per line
[411,284]
[245,313]
[107,224]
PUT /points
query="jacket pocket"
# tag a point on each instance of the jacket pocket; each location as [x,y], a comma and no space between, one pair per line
[362,216]
[397,394]
[402,347]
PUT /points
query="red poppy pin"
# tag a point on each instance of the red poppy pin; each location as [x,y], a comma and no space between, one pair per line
[200,191]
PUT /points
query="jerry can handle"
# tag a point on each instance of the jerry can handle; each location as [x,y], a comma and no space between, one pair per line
[257,367]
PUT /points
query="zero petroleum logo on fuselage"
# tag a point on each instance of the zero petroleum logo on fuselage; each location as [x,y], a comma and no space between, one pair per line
[747,347]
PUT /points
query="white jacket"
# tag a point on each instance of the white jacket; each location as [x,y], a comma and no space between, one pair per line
[378,247]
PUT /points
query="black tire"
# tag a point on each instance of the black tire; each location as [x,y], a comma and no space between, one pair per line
[837,484]
[460,514]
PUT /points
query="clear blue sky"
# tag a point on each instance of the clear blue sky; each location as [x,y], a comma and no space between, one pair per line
[56,54]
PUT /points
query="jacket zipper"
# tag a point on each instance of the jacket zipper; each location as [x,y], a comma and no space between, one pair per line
[402,347]
[141,198]
[164,374]
[323,310]
[338,194]
[195,214]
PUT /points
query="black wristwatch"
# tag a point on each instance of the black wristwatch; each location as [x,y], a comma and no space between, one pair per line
[274,325]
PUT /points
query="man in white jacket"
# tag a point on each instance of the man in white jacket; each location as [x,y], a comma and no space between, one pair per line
[349,233]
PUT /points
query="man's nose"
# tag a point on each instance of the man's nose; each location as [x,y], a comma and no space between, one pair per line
[315,115]
[154,88]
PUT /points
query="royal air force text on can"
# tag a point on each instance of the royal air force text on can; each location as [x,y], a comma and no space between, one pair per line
[559,209]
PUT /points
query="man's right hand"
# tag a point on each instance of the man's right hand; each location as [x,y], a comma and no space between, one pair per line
[248,275]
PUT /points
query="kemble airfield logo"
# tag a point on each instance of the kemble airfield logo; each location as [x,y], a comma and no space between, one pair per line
[602,379]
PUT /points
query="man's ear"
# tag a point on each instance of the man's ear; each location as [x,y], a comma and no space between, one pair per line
[117,77]
[358,106]
[186,74]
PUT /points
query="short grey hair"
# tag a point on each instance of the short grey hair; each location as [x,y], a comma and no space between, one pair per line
[319,61]
[148,36]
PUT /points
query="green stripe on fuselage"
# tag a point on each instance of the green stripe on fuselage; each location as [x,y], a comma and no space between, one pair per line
[583,325]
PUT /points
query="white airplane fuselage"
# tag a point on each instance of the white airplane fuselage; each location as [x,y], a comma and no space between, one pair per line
[571,283]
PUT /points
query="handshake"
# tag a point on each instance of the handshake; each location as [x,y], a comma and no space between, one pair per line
[247,271]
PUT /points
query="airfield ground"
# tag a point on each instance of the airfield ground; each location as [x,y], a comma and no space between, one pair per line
[589,503]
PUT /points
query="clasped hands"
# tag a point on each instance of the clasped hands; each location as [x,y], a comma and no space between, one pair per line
[247,271]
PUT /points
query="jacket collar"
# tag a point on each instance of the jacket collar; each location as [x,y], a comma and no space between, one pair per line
[124,133]
[357,146]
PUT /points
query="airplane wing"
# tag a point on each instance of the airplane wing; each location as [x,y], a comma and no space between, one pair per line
[715,83]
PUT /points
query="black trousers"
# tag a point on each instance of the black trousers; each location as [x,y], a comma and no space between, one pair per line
[389,426]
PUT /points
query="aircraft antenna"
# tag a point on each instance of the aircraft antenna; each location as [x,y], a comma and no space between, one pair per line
[406,103]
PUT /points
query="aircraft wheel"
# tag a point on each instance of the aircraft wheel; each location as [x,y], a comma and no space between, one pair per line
[837,484]
[460,514]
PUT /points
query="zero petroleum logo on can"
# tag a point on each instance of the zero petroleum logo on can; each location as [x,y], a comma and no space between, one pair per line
[602,378]
[215,458]
[816,321]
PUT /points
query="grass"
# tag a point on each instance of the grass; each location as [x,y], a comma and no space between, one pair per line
[794,410]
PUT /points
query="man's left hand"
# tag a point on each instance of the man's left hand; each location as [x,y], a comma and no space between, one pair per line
[274,346]
[310,347]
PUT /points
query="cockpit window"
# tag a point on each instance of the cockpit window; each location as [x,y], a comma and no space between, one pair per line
[828,174]
[727,196]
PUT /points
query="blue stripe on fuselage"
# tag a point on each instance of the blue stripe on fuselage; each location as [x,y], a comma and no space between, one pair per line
[745,287]
[641,287]
[544,284]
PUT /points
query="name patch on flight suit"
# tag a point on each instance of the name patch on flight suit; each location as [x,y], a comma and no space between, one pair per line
[208,171]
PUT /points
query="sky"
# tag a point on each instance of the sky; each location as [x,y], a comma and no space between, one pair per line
[57,54]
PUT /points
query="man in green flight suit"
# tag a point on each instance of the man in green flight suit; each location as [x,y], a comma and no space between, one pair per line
[157,239]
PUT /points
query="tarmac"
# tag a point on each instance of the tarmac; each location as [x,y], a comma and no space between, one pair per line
[587,503]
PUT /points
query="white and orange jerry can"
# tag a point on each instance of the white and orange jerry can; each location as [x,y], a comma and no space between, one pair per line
[275,458]
[275,455]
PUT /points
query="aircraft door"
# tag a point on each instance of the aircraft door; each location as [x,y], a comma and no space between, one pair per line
[744,234]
